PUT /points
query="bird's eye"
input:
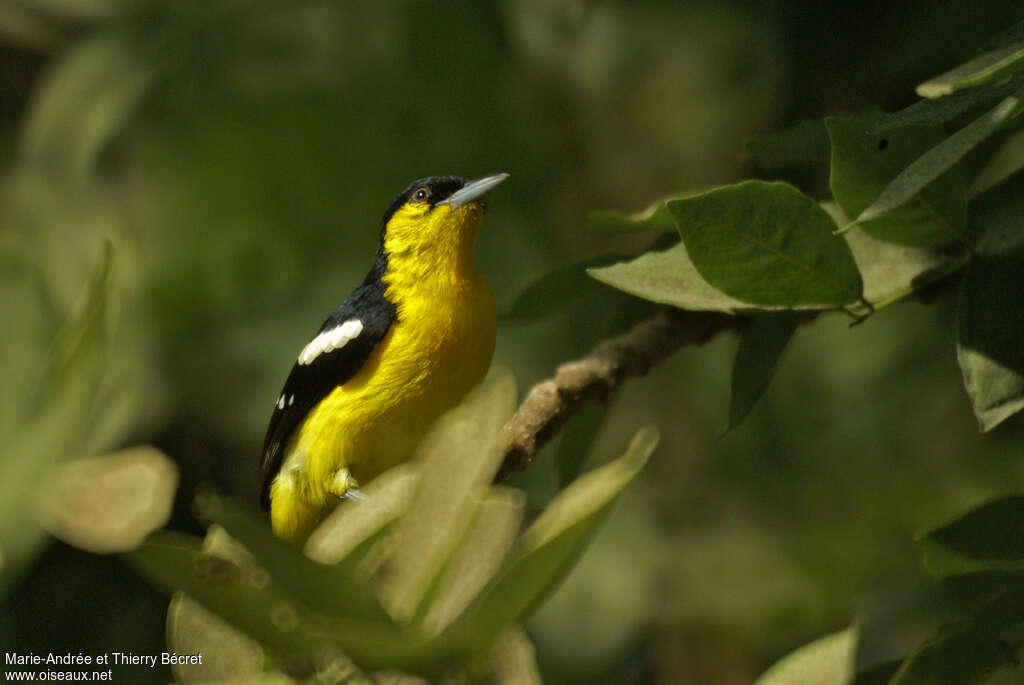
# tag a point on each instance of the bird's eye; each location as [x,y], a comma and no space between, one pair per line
[421,194]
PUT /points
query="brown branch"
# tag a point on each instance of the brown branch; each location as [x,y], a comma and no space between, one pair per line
[592,378]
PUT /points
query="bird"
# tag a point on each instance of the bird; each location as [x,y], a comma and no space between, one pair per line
[404,347]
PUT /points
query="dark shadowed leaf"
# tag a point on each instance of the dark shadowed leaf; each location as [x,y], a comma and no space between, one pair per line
[987,538]
[932,164]
[332,589]
[577,438]
[879,674]
[761,346]
[769,245]
[982,69]
[654,218]
[996,220]
[962,655]
[555,291]
[936,112]
[806,142]
[990,336]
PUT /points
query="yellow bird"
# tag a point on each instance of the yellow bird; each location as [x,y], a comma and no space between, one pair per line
[402,349]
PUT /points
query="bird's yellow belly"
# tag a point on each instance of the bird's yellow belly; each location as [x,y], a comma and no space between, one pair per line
[429,359]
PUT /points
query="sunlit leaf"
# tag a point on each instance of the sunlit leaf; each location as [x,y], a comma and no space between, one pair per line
[385,499]
[806,142]
[769,245]
[863,165]
[668,277]
[513,660]
[986,538]
[110,503]
[982,69]
[938,160]
[826,661]
[458,460]
[227,654]
[761,346]
[892,271]
[549,547]
[478,557]
[990,336]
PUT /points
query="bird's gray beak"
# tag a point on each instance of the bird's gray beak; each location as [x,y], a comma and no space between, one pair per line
[474,190]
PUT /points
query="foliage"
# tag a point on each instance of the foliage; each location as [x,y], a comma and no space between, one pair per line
[429,589]
[236,155]
[757,248]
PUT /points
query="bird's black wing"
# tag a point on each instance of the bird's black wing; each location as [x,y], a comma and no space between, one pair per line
[335,355]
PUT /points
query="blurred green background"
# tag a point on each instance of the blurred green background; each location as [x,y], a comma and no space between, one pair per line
[238,155]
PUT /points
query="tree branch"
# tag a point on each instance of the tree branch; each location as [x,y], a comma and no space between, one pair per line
[592,378]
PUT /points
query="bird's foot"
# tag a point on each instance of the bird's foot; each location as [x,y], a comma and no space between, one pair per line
[344,486]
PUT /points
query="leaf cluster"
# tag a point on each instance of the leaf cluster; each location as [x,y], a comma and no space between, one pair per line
[428,573]
[767,251]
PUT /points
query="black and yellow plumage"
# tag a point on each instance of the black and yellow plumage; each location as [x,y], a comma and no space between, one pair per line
[404,347]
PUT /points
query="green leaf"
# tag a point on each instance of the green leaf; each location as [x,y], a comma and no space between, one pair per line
[555,291]
[83,101]
[668,277]
[864,165]
[549,548]
[478,557]
[806,142]
[655,218]
[892,271]
[879,674]
[936,112]
[577,438]
[227,654]
[962,656]
[332,589]
[985,68]
[769,245]
[110,503]
[459,459]
[60,423]
[937,161]
[263,611]
[513,661]
[761,346]
[990,336]
[987,538]
[826,661]
[996,220]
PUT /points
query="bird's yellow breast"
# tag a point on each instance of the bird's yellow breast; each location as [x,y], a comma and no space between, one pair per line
[437,349]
